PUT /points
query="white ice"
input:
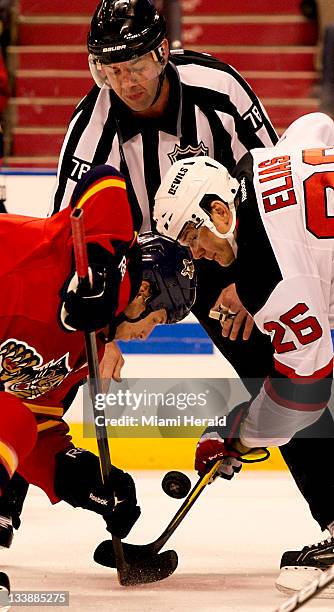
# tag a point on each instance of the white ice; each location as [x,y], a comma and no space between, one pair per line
[229,548]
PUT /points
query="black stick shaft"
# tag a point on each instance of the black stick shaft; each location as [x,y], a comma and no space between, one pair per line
[95,387]
[94,378]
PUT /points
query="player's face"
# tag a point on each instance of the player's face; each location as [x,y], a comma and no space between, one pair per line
[135,82]
[140,330]
[205,244]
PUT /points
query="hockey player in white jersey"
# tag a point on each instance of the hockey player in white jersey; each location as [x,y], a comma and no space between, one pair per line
[276,216]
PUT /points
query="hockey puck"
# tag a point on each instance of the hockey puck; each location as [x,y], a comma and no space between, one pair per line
[176,484]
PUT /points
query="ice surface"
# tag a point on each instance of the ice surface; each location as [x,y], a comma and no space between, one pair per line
[229,548]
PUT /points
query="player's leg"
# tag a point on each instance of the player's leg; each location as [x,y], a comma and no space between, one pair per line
[252,360]
[4,592]
[18,434]
[13,498]
[313,444]
[11,504]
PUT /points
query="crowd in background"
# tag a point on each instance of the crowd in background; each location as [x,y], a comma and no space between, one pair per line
[5,6]
[320,10]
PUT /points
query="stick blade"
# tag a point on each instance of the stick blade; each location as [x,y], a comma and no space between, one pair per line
[152,569]
[133,553]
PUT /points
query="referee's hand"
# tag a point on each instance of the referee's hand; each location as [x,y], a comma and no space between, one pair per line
[235,316]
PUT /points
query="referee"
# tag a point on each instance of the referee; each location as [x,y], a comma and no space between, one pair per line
[149,109]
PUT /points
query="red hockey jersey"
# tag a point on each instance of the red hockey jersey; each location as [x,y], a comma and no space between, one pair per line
[39,360]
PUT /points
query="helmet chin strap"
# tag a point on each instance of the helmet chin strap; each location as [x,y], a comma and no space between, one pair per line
[159,88]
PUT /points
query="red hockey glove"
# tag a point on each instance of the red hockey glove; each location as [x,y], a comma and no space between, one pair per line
[223,444]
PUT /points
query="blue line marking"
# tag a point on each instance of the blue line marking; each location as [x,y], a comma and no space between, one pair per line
[27,172]
[179,339]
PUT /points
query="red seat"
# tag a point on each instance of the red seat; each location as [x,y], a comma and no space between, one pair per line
[249,33]
[270,43]
[233,7]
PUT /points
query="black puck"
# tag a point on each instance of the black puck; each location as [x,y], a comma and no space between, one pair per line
[176,484]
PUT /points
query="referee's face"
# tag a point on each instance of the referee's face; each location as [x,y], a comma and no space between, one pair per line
[135,82]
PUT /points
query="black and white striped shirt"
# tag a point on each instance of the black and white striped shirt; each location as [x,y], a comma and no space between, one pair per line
[211,110]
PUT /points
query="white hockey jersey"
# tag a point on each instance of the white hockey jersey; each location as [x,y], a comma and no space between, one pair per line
[286,273]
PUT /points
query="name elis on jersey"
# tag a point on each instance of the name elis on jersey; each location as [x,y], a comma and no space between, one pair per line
[276,177]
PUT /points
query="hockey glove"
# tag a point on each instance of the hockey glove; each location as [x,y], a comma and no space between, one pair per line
[78,482]
[87,308]
[223,443]
[126,512]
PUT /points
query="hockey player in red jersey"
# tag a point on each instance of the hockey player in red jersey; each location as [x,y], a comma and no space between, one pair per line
[42,350]
[275,217]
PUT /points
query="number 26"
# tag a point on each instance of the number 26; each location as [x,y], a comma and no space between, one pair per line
[306,330]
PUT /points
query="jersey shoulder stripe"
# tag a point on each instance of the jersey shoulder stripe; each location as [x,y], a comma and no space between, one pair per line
[88,100]
[101,184]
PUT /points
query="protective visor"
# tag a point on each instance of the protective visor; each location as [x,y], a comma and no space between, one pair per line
[137,71]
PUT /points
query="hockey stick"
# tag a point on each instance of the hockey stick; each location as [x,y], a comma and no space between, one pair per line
[134,552]
[308,592]
[158,567]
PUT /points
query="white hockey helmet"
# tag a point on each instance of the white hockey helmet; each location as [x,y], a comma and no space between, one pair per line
[179,199]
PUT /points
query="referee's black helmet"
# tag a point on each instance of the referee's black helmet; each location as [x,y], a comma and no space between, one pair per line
[122,30]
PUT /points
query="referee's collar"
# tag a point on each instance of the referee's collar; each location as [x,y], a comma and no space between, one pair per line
[129,125]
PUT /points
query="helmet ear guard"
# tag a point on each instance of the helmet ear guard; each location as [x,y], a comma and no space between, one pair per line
[96,72]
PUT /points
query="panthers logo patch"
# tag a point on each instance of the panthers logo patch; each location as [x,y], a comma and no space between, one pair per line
[22,371]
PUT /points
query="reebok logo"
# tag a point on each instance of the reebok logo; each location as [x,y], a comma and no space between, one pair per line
[75,452]
[243,190]
[177,180]
[98,500]
[122,266]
